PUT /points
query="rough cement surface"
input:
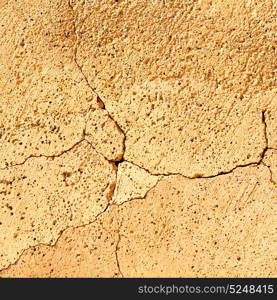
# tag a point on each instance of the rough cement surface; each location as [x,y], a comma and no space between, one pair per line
[180,78]
[138,138]
[44,196]
[201,227]
[132,183]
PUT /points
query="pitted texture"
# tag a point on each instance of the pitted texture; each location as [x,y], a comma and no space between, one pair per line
[215,227]
[138,138]
[78,253]
[40,86]
[45,99]
[104,134]
[44,196]
[179,77]
[202,227]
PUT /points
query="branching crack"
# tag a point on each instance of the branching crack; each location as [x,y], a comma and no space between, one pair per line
[262,155]
[140,198]
[259,162]
[121,160]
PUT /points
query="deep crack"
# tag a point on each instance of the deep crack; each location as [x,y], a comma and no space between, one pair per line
[262,155]
[121,160]
[99,100]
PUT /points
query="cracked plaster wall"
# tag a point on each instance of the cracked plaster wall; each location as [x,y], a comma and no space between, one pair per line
[138,138]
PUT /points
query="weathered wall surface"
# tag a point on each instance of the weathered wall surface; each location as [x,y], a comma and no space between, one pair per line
[138,138]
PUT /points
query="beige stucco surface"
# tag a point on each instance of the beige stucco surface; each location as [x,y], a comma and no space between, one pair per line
[138,138]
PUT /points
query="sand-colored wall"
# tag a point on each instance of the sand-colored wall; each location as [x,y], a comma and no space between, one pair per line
[138,138]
